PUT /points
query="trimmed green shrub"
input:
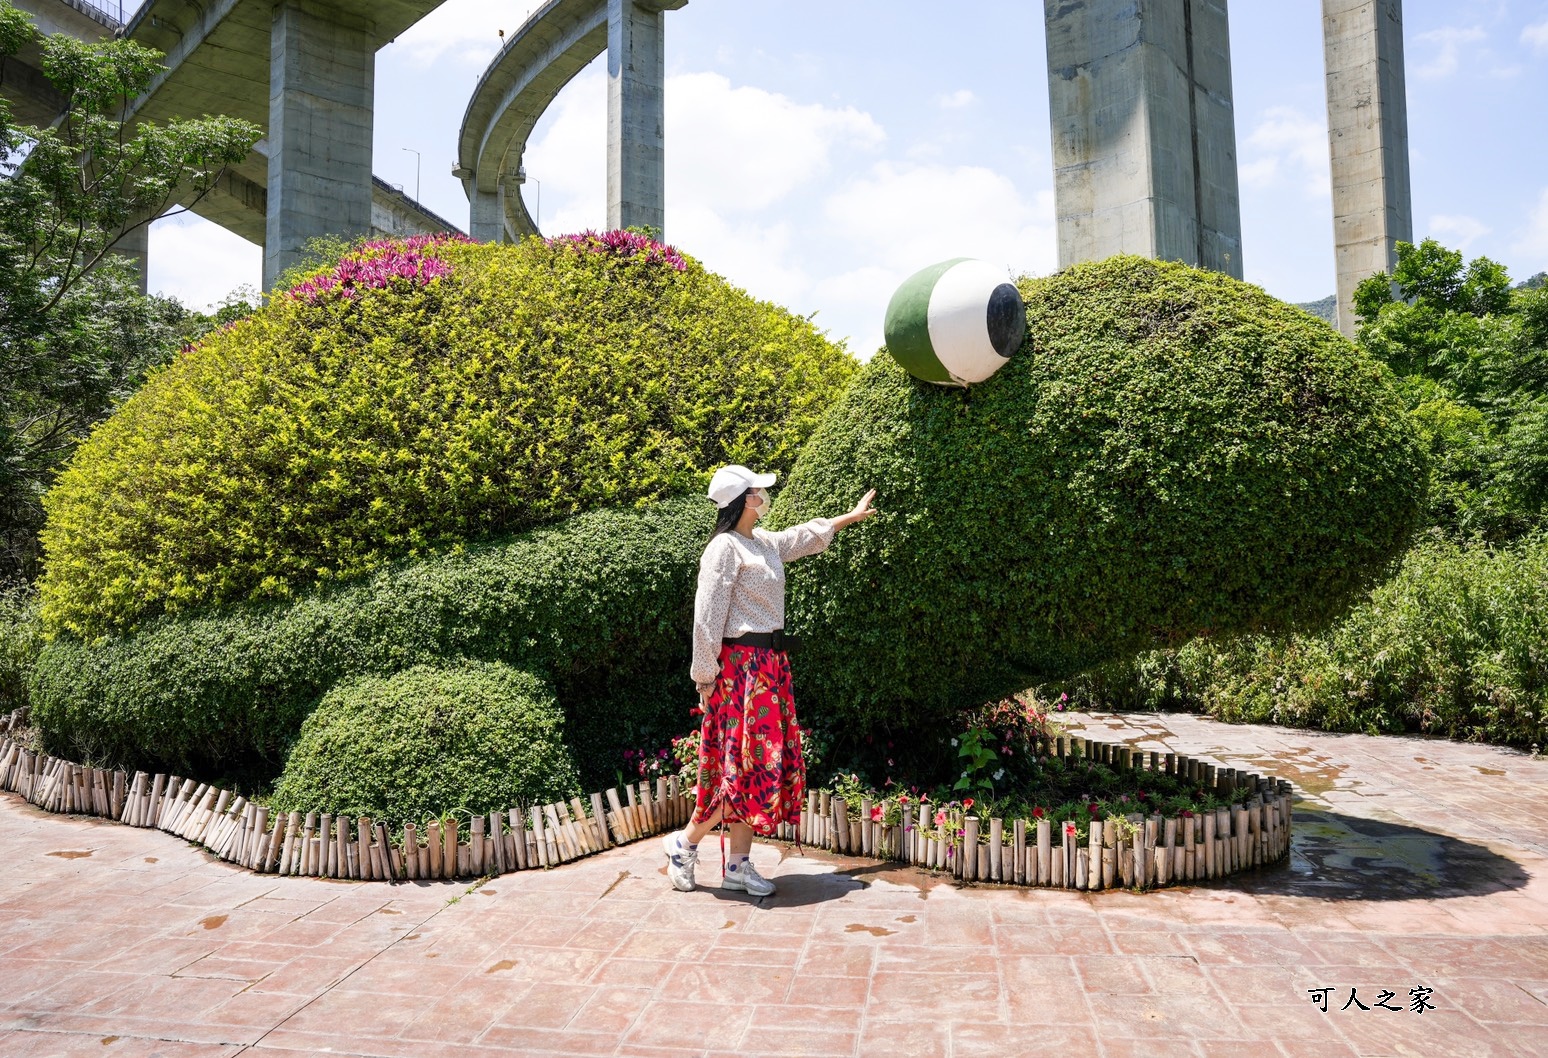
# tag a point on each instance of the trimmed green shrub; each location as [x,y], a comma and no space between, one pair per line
[599,604]
[1454,644]
[21,637]
[418,396]
[474,737]
[1171,453]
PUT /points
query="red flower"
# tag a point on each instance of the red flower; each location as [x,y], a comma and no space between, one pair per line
[1037,813]
[876,814]
[967,802]
[1093,808]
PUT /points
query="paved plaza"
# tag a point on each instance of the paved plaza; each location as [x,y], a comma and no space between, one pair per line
[1417,864]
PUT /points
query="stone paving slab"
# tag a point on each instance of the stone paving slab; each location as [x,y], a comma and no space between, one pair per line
[1415,862]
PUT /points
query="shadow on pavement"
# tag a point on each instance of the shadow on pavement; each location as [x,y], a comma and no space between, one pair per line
[1341,857]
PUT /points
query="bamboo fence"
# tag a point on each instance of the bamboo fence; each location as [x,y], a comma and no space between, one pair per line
[1135,852]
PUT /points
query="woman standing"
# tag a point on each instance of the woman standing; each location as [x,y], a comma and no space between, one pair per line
[751,771]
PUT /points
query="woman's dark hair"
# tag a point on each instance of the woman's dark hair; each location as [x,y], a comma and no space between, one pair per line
[729,515]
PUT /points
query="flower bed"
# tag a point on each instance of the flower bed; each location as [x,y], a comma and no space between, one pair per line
[1132,850]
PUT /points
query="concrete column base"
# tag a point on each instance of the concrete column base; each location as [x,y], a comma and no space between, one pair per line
[636,151]
[322,82]
[1144,140]
[487,218]
[134,248]
[1362,44]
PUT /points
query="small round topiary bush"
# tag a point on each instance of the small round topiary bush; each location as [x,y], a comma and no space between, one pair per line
[419,395]
[1172,453]
[475,737]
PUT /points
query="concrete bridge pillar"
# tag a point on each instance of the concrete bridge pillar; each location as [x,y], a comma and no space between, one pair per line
[487,217]
[1362,44]
[134,247]
[1144,137]
[636,74]
[322,80]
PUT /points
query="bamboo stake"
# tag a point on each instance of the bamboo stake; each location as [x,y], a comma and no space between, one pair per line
[287,863]
[996,850]
[381,854]
[622,829]
[1094,854]
[475,863]
[1019,861]
[544,845]
[519,835]
[599,816]
[449,864]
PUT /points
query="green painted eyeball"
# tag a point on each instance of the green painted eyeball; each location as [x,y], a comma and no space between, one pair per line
[955,323]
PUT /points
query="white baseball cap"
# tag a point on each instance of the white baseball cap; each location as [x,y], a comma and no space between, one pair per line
[730,482]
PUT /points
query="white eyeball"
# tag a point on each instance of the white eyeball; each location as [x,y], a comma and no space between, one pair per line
[955,323]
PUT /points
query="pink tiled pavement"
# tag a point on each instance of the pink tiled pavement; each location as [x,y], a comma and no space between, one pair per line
[1415,863]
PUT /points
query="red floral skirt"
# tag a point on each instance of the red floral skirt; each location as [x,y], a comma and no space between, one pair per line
[750,751]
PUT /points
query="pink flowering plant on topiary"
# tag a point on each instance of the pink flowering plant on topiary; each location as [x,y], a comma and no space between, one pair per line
[624,244]
[378,264]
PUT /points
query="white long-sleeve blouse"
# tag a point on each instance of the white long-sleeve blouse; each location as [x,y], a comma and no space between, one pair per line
[742,586]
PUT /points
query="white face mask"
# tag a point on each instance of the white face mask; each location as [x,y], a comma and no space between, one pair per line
[758,503]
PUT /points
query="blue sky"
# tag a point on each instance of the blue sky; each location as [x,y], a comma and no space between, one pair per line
[818,153]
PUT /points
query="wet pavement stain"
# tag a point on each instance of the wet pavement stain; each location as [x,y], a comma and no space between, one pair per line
[908,918]
[1489,771]
[729,925]
[214,921]
[70,855]
[502,965]
[488,892]
[619,881]
[389,911]
[109,1040]
[875,931]
[152,859]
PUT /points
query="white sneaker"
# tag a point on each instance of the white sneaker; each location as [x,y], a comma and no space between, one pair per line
[745,877]
[680,862]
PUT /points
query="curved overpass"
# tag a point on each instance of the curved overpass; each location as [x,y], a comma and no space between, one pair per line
[541,57]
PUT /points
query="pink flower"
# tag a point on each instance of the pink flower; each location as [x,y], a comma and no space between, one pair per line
[876,813]
[940,819]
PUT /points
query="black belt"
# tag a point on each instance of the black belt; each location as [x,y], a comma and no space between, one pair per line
[775,640]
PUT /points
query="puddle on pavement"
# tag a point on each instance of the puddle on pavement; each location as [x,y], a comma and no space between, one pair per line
[875,931]
[109,1040]
[729,925]
[907,918]
[1351,858]
[1489,771]
[488,892]
[70,855]
[389,911]
[214,921]
[151,859]
[503,964]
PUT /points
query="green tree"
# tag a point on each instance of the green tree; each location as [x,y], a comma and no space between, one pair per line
[1472,356]
[75,334]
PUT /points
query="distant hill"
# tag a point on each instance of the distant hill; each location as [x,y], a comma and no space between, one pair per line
[1540,279]
[1326,309]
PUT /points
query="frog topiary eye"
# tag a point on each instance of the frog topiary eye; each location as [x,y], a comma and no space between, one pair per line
[955,323]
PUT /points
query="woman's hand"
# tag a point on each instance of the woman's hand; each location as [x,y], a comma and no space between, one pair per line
[704,694]
[861,512]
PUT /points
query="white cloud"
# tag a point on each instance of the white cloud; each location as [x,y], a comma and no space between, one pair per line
[199,262]
[955,100]
[1531,248]
[743,148]
[1536,37]
[1457,230]
[466,30]
[1449,41]
[907,217]
[1287,145]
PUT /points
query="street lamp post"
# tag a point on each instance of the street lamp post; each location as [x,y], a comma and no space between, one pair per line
[416,170]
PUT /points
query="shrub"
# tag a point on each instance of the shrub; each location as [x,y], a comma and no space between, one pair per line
[21,637]
[1172,452]
[414,397]
[600,604]
[1454,644]
[475,737]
